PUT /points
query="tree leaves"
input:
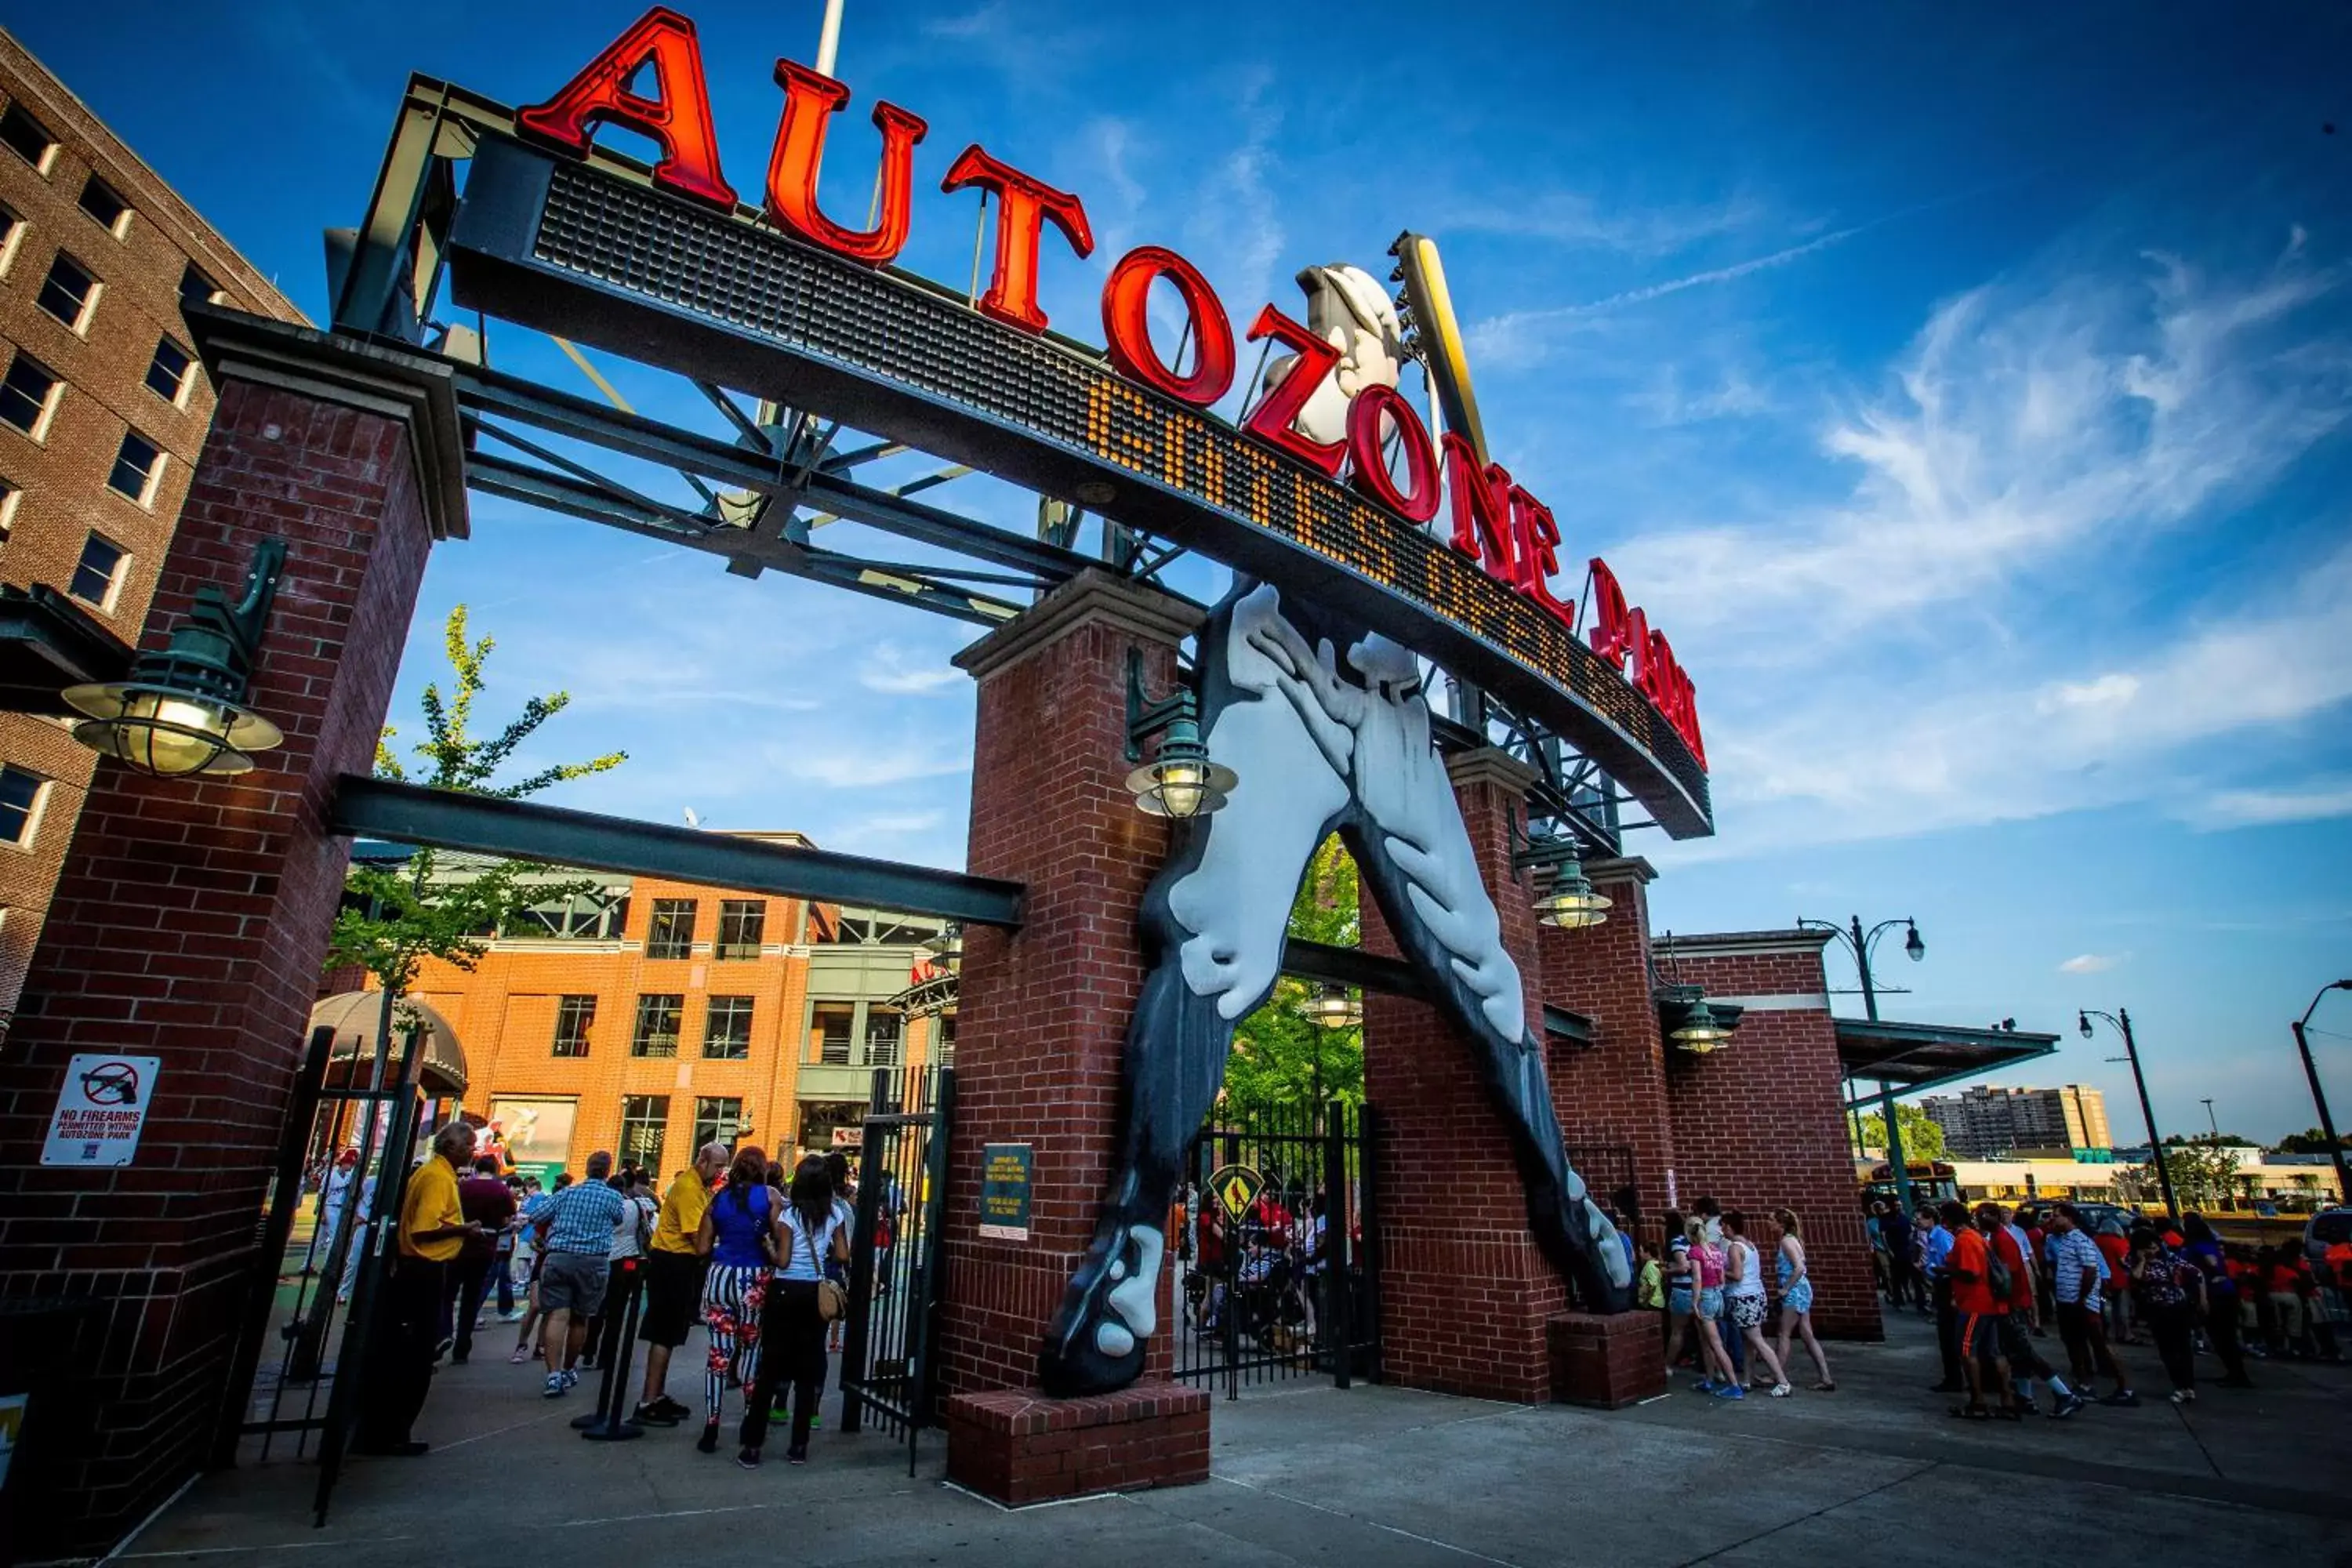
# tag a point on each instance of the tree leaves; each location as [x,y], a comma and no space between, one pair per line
[1279,1052]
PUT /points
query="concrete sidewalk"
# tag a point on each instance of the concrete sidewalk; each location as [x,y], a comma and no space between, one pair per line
[1874,1473]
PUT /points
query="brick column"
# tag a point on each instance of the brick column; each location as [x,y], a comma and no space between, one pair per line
[189,919]
[1760,1124]
[1041,1023]
[1614,1095]
[1464,1291]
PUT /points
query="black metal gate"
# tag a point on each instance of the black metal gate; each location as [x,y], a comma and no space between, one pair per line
[367,1103]
[1278,1254]
[888,1367]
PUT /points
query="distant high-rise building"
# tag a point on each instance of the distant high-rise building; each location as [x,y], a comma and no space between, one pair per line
[1987,1123]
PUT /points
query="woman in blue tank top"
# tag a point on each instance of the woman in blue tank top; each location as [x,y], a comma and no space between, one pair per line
[736,1235]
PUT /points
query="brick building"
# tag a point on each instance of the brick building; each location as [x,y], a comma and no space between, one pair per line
[103,408]
[649,1017]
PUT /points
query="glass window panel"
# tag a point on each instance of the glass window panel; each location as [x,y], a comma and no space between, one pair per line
[659,1017]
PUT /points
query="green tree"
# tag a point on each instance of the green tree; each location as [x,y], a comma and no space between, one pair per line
[402,916]
[1280,1053]
[2311,1141]
[2204,1172]
[1923,1137]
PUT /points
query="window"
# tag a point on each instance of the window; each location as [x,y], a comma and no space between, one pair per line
[657,1024]
[671,935]
[573,1015]
[12,228]
[719,1121]
[727,1031]
[881,1038]
[69,293]
[108,211]
[168,375]
[8,494]
[138,466]
[645,1121]
[832,1032]
[943,1041]
[742,925]
[196,289]
[28,137]
[29,395]
[99,572]
[20,806]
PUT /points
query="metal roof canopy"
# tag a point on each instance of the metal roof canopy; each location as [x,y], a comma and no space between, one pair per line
[1909,1058]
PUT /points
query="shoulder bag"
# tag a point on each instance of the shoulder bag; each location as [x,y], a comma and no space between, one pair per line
[832,1299]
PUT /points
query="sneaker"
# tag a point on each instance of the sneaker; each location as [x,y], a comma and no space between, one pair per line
[1731,1391]
[2123,1398]
[651,1415]
[570,1379]
[1704,1385]
[817,1423]
[672,1408]
[796,1456]
[748,1459]
[709,1442]
[1779,1391]
[556,1386]
[522,1354]
[2068,1406]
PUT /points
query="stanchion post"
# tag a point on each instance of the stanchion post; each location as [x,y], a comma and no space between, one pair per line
[616,1390]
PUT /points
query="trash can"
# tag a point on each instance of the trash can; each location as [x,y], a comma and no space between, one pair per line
[37,1333]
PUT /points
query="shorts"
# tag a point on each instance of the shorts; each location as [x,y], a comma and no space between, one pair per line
[1798,1297]
[1710,1302]
[673,1297]
[573,1282]
[1678,1301]
[1747,1312]
[1979,1336]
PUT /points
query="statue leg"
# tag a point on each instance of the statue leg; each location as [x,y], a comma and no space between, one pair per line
[1415,855]
[1213,924]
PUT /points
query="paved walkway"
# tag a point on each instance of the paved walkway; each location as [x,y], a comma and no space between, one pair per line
[1875,1473]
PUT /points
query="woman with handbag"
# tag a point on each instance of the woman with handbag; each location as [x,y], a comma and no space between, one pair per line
[737,1236]
[801,1302]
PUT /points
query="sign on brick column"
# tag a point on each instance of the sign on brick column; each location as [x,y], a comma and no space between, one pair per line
[189,919]
[1612,1096]
[1042,1013]
[1464,1290]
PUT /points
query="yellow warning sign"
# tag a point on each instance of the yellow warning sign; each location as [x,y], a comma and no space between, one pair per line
[1237,1187]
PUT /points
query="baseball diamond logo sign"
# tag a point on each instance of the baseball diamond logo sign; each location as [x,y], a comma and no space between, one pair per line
[787,302]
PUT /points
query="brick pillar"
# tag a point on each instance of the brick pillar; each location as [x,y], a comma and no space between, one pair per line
[1760,1124]
[189,923]
[1464,1291]
[1041,1023]
[1614,1094]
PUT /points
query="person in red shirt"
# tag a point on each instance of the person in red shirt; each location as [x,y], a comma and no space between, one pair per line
[2016,1251]
[1978,1310]
[2115,1247]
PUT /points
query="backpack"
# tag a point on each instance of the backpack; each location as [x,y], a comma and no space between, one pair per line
[1996,1274]
[2160,1284]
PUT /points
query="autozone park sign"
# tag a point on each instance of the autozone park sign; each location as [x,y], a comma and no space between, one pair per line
[786,302]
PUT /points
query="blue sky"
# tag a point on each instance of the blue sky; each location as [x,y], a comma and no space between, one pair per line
[1967,401]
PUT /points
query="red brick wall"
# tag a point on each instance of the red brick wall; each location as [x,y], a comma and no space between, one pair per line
[1464,1291]
[189,923]
[1043,1013]
[1613,1094]
[1759,1124]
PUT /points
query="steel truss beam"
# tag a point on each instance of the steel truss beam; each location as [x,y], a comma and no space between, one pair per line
[410,814]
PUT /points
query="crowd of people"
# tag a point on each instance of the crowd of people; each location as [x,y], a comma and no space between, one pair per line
[756,1254]
[1706,1282]
[1996,1281]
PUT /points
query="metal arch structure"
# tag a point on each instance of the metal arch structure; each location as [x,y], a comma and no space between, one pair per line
[762,493]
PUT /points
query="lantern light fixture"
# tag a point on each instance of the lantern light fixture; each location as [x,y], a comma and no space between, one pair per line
[1570,901]
[1181,780]
[947,948]
[1332,1007]
[182,713]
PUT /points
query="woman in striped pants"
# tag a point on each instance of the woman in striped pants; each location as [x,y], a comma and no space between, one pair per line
[735,1234]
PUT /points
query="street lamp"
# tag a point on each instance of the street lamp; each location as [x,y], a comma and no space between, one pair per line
[1332,1008]
[1860,943]
[1570,901]
[1181,782]
[2319,1096]
[2120,1021]
[947,948]
[181,713]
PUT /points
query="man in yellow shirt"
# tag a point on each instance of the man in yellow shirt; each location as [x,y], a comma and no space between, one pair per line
[674,1281]
[407,1336]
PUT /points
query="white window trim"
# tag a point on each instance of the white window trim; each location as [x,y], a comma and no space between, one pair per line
[10,245]
[121,227]
[114,579]
[8,508]
[187,373]
[32,817]
[80,325]
[39,434]
[151,486]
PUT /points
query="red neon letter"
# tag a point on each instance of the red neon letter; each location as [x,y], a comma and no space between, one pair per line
[1271,420]
[679,119]
[1537,534]
[1127,326]
[810,101]
[1023,205]
[1482,509]
[1417,503]
[1612,622]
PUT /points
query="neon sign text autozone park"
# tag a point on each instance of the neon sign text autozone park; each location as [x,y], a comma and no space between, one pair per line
[671,270]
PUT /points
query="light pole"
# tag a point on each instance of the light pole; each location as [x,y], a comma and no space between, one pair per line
[2319,1095]
[2120,1021]
[1860,943]
[2210,1120]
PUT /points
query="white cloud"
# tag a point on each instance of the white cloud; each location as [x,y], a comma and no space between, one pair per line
[1577,218]
[2256,807]
[890,670]
[2088,963]
[871,761]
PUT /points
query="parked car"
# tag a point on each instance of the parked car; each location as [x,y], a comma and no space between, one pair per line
[2327,1228]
